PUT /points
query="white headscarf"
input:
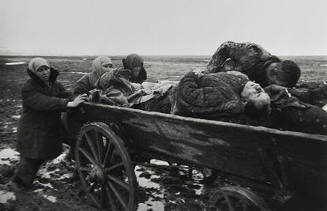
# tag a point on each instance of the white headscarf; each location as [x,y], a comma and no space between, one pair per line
[36,63]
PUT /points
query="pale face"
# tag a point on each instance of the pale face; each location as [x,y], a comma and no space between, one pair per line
[43,73]
[107,66]
[274,74]
[254,92]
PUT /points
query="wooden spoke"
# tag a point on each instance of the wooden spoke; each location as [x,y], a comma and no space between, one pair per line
[111,200]
[99,149]
[118,181]
[87,169]
[234,198]
[88,156]
[89,141]
[103,196]
[229,203]
[99,142]
[109,153]
[118,196]
[95,200]
[107,170]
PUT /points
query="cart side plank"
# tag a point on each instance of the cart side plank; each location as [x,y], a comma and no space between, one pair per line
[239,149]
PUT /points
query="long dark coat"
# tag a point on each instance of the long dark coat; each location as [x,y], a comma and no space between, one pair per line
[39,126]
[248,58]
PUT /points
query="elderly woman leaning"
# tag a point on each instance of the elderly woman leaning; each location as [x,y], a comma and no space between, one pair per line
[100,65]
[121,86]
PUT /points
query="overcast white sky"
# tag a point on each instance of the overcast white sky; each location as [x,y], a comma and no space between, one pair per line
[155,27]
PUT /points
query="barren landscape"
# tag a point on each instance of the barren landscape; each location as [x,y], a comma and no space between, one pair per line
[56,189]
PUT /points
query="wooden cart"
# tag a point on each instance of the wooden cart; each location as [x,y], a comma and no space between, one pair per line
[109,140]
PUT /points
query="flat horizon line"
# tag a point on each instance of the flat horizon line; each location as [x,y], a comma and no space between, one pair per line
[122,55]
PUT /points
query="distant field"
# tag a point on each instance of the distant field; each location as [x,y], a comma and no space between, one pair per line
[313,68]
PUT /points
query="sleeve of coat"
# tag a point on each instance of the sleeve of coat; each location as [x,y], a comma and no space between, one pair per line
[64,93]
[82,85]
[219,57]
[40,102]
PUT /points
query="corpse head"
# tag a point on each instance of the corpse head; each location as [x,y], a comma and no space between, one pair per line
[285,73]
[257,100]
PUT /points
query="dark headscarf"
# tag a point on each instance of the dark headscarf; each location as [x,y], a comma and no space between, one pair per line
[132,61]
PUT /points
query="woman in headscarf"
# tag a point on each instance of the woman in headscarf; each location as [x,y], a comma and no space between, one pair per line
[39,138]
[100,65]
[123,86]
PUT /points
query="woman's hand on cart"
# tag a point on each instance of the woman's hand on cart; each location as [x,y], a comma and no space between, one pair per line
[77,101]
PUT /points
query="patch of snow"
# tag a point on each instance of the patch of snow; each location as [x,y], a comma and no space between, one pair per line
[324,107]
[48,185]
[5,196]
[144,182]
[7,155]
[14,129]
[82,73]
[61,157]
[151,205]
[159,162]
[50,198]
[323,65]
[14,63]
[65,176]
[199,190]
[15,116]
[47,174]
[38,190]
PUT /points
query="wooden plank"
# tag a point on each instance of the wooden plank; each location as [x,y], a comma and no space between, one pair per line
[229,147]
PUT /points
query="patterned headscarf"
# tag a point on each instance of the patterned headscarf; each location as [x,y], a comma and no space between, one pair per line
[36,63]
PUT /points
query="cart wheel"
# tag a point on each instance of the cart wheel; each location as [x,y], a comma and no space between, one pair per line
[234,198]
[105,168]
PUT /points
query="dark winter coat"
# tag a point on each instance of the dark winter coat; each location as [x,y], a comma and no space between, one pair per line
[314,93]
[83,85]
[209,95]
[289,113]
[248,58]
[39,126]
